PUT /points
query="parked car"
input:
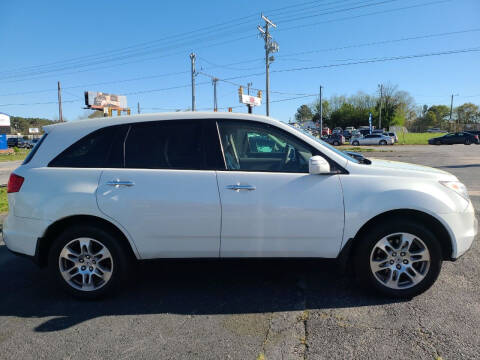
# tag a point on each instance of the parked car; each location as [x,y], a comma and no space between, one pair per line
[364,132]
[13,141]
[373,139]
[335,139]
[347,135]
[95,196]
[392,135]
[455,138]
[337,130]
[436,130]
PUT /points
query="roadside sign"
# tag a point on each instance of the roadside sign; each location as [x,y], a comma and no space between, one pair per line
[33,130]
[251,100]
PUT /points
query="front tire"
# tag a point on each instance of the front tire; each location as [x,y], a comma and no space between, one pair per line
[399,259]
[88,262]
[383,142]
[355,143]
[336,143]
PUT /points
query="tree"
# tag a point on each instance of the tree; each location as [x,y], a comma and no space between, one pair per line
[304,113]
[467,113]
[326,112]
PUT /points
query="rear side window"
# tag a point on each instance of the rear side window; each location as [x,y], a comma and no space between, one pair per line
[32,152]
[92,151]
[165,145]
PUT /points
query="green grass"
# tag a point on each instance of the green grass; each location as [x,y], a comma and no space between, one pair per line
[20,154]
[3,200]
[357,149]
[416,138]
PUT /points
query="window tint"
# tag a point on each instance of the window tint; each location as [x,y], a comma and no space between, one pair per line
[253,146]
[164,145]
[89,152]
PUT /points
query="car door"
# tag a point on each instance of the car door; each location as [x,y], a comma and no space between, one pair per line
[271,205]
[163,193]
[460,138]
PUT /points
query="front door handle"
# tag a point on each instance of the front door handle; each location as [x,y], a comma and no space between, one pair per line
[118,183]
[239,187]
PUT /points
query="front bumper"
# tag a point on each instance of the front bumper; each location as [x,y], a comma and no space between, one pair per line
[463,228]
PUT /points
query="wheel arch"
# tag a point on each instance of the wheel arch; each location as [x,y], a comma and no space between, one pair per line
[56,228]
[434,225]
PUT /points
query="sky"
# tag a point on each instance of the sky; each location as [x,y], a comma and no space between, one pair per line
[141,49]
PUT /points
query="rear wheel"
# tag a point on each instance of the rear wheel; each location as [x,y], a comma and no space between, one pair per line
[467,142]
[383,142]
[399,259]
[336,143]
[355,142]
[438,142]
[88,262]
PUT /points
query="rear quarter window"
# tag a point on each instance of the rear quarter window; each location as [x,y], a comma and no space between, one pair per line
[101,148]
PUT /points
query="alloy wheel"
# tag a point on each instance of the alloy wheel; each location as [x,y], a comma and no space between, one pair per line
[400,261]
[85,264]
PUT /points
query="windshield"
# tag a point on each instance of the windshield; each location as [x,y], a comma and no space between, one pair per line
[321,142]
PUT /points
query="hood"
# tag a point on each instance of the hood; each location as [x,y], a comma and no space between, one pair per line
[401,169]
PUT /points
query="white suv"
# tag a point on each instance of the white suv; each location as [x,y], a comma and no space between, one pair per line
[93,196]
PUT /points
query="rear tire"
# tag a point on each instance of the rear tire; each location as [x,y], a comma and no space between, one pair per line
[383,265]
[383,142]
[467,142]
[355,143]
[336,143]
[88,262]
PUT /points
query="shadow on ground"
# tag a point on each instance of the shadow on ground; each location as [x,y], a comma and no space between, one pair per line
[458,166]
[194,287]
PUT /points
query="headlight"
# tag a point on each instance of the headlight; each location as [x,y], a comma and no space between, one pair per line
[456,186]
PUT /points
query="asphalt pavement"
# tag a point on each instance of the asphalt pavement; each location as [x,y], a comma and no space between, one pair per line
[251,309]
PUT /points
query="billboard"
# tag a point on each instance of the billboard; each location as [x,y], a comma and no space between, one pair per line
[99,100]
[33,130]
[4,123]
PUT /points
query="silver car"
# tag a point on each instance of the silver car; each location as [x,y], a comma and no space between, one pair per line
[373,139]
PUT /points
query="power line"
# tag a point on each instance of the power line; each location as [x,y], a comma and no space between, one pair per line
[136,54]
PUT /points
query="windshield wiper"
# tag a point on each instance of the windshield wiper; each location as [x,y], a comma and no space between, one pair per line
[357,156]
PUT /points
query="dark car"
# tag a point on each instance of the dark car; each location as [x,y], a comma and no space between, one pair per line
[455,138]
[347,134]
[14,142]
[335,139]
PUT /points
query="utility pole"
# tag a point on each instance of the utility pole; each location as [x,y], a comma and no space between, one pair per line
[60,113]
[138,108]
[381,100]
[248,92]
[270,47]
[321,113]
[215,105]
[451,112]
[192,58]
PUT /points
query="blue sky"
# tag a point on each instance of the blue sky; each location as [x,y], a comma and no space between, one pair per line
[103,45]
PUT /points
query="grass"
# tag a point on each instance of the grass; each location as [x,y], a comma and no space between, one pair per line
[20,154]
[3,200]
[416,138]
[358,149]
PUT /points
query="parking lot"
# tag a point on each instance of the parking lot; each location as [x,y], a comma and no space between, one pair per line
[251,309]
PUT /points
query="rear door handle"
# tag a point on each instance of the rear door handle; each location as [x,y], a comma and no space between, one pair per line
[240,187]
[118,183]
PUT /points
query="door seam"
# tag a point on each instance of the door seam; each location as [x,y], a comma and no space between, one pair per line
[221,215]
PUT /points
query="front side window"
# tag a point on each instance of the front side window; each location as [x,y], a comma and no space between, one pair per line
[250,146]
[164,145]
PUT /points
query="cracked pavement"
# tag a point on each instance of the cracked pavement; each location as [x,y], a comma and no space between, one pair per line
[254,309]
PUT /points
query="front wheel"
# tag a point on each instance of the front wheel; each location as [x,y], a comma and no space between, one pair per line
[398,259]
[383,142]
[355,143]
[467,142]
[336,143]
[88,262]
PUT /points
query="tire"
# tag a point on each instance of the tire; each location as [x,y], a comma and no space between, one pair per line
[355,143]
[467,142]
[383,142]
[336,143]
[438,142]
[114,263]
[367,255]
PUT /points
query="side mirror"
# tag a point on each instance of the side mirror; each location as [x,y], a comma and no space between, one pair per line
[318,165]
